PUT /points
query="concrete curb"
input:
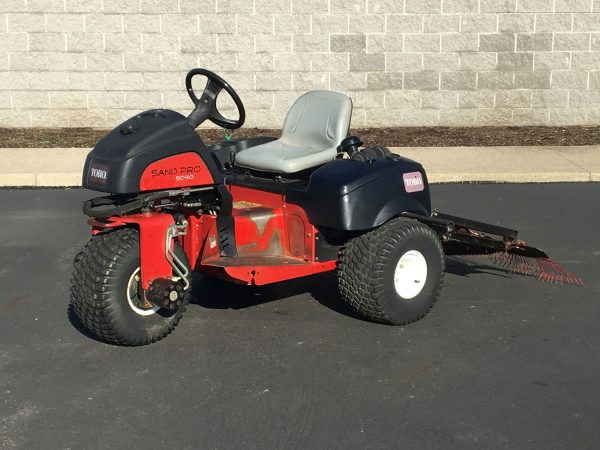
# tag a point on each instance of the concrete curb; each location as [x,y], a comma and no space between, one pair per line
[62,167]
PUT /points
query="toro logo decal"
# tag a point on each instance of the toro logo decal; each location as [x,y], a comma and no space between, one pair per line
[98,173]
[413,182]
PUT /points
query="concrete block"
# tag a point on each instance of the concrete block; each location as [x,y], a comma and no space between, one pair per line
[159,43]
[422,42]
[103,23]
[534,5]
[380,43]
[327,24]
[329,62]
[121,6]
[530,116]
[440,61]
[50,118]
[233,43]
[553,23]
[341,81]
[515,61]
[404,23]
[385,6]
[573,6]
[180,23]
[462,80]
[372,23]
[141,23]
[44,6]
[384,117]
[586,22]
[595,44]
[294,24]
[538,79]
[593,118]
[158,81]
[292,62]
[567,116]
[25,22]
[104,62]
[192,43]
[9,118]
[442,23]
[555,98]
[122,81]
[422,6]
[176,61]
[398,99]
[420,117]
[571,41]
[12,6]
[159,6]
[84,42]
[517,23]
[108,100]
[479,23]
[513,99]
[596,6]
[365,62]
[439,99]
[534,42]
[457,117]
[460,6]
[494,117]
[594,80]
[271,43]
[217,60]
[497,42]
[497,6]
[585,60]
[273,81]
[142,62]
[45,81]
[495,80]
[122,42]
[422,80]
[476,99]
[83,6]
[380,81]
[255,24]
[403,62]
[458,42]
[477,61]
[65,23]
[30,100]
[273,6]
[310,81]
[348,6]
[563,79]
[260,62]
[257,100]
[143,100]
[86,81]
[311,43]
[348,43]
[310,6]
[68,100]
[551,60]
[15,42]
[367,99]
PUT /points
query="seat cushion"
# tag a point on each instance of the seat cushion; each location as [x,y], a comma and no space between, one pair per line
[314,126]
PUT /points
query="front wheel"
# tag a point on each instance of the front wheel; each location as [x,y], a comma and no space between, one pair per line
[392,274]
[106,294]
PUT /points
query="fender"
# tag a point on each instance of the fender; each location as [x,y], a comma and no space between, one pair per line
[153,232]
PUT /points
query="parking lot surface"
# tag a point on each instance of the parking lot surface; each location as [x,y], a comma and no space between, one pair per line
[500,362]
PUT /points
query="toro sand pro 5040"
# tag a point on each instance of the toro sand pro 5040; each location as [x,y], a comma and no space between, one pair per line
[262,210]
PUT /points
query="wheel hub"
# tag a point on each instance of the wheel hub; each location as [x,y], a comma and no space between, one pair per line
[410,274]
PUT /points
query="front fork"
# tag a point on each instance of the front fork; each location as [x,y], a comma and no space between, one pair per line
[157,231]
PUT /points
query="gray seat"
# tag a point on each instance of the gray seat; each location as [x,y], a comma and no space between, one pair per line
[313,128]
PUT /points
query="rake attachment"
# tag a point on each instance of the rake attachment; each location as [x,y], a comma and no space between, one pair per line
[463,237]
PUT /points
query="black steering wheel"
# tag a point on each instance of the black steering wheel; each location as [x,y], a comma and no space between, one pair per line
[206,105]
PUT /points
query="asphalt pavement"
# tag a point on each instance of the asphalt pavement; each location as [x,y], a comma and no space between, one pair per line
[500,362]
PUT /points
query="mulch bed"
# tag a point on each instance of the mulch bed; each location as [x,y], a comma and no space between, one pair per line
[389,137]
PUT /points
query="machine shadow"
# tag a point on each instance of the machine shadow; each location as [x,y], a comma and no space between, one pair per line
[216,294]
[465,267]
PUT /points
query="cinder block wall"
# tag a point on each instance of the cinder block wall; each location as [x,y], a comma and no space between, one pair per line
[404,62]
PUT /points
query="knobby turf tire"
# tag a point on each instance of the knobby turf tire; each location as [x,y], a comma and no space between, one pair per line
[366,272]
[101,274]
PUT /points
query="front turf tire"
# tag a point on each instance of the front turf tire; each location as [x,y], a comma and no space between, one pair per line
[103,274]
[392,274]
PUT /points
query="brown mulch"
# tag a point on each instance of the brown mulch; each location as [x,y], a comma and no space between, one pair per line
[389,137]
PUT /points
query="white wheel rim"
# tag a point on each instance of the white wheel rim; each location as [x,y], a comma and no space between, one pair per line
[410,274]
[134,278]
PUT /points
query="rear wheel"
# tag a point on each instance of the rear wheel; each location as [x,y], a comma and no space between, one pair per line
[392,274]
[106,294]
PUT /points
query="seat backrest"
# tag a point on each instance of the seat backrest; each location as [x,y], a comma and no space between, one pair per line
[317,119]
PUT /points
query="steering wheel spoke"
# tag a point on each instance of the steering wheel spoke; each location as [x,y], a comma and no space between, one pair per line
[206,105]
